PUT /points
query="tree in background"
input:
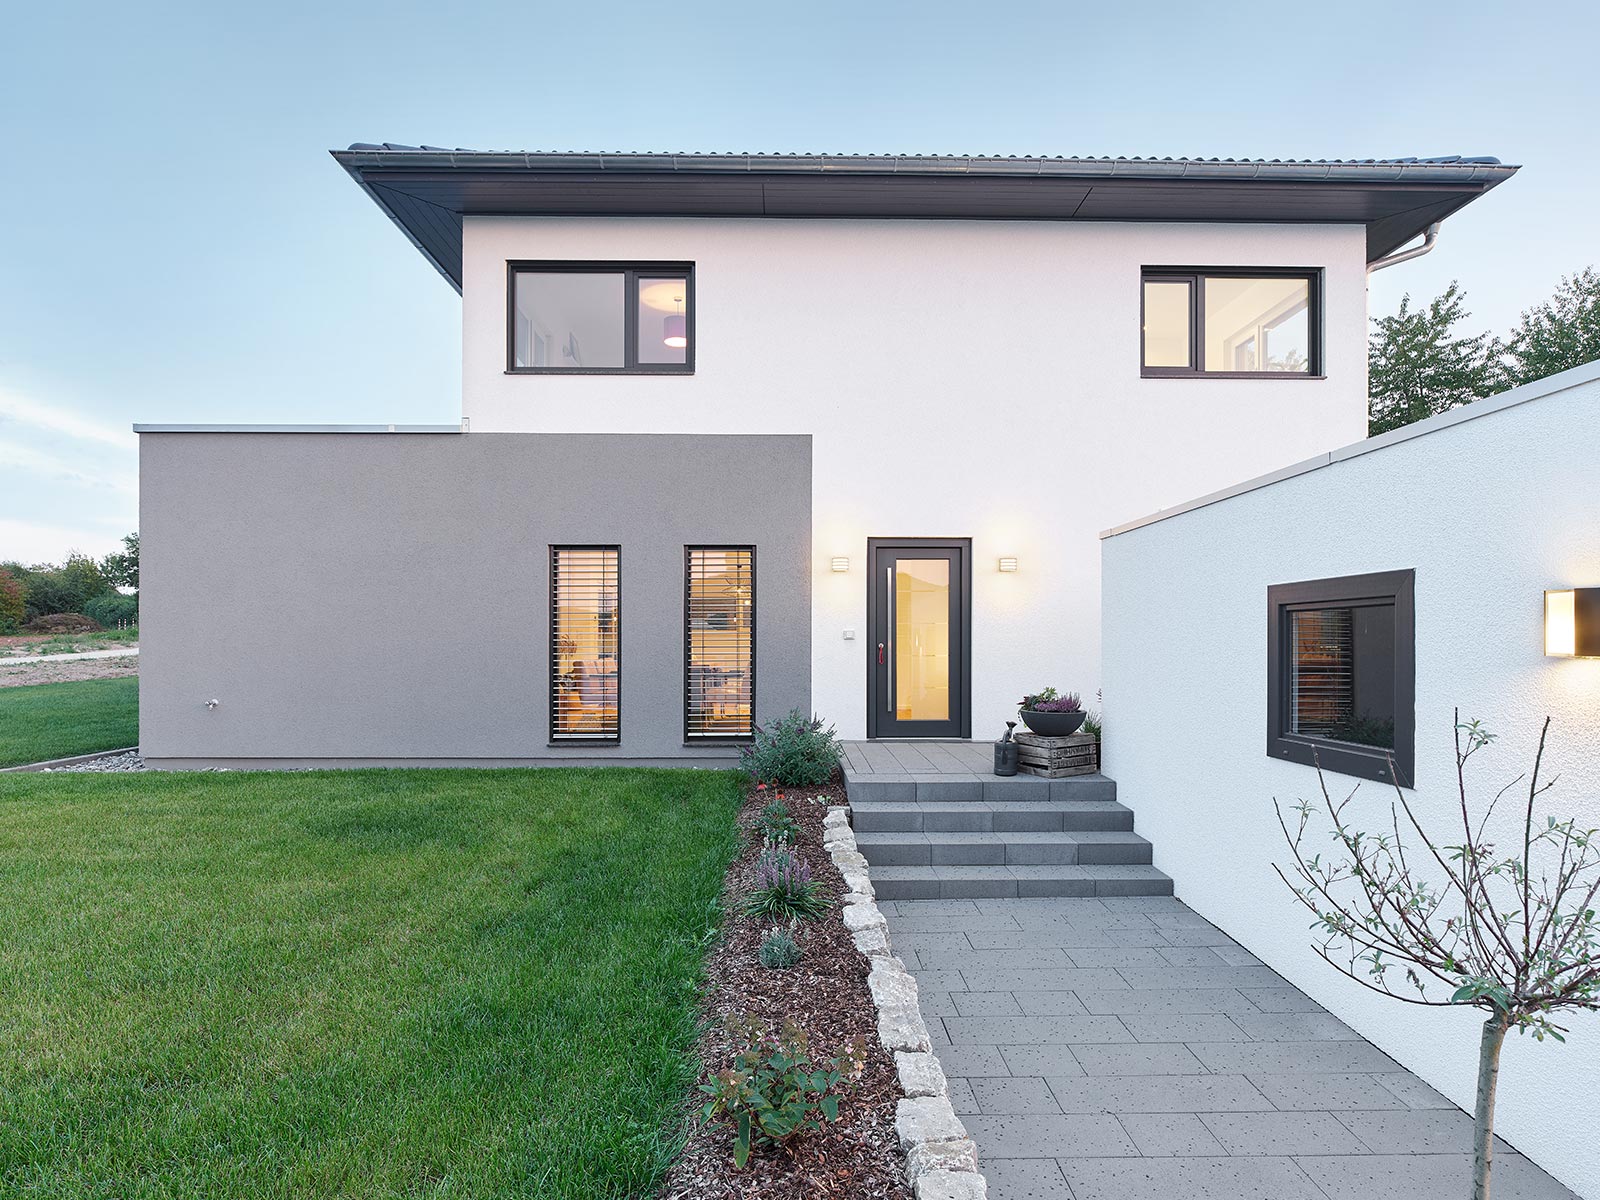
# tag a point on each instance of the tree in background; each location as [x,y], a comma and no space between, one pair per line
[13,604]
[49,589]
[122,570]
[1418,365]
[1558,335]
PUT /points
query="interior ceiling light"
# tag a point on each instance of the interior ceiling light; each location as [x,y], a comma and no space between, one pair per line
[674,328]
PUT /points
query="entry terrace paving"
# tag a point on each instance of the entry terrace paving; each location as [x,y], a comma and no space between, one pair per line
[1123,1048]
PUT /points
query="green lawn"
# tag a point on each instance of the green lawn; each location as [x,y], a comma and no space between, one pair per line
[364,983]
[55,720]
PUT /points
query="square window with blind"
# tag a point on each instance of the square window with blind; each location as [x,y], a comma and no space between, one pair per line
[1341,674]
[1243,323]
[719,606]
[585,644]
[600,318]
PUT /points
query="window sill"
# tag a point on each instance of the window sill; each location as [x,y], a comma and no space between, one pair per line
[1338,758]
[1282,376]
[599,371]
[719,743]
[587,743]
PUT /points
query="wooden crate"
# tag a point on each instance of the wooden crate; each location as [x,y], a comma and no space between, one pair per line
[1057,757]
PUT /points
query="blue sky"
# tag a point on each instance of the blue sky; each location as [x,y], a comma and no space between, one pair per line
[176,245]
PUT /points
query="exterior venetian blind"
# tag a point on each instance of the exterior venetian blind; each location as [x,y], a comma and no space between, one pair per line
[719,642]
[585,643]
[1322,671]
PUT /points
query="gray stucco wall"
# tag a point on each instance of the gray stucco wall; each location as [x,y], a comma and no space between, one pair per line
[356,599]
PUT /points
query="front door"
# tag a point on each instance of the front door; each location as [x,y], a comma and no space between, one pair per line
[919,602]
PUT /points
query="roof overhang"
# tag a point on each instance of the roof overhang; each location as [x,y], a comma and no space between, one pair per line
[427,191]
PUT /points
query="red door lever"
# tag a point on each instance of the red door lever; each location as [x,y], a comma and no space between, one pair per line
[881,659]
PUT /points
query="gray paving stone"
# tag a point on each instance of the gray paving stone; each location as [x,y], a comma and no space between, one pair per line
[1025,1179]
[1296,1027]
[1159,1094]
[963,1061]
[962,1098]
[1199,977]
[1411,1090]
[1011,1031]
[1196,937]
[1063,936]
[1164,1001]
[1189,956]
[1138,1059]
[1009,1094]
[1189,1027]
[1049,1004]
[1273,1058]
[1014,1136]
[995,960]
[1416,1131]
[1114,957]
[921,922]
[935,1004]
[1043,1061]
[984,1004]
[1282,1133]
[1041,979]
[1236,956]
[1165,1135]
[936,980]
[1312,1092]
[1426,1177]
[1281,999]
[1189,1178]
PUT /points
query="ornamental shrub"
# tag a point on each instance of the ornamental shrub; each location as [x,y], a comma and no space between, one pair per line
[785,891]
[779,950]
[772,1093]
[795,751]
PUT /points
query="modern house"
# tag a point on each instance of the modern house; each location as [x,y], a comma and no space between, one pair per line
[745,433]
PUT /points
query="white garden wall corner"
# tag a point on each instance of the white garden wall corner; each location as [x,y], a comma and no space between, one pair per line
[1490,505]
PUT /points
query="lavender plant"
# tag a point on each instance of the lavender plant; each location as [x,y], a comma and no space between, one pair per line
[1511,931]
[779,950]
[784,889]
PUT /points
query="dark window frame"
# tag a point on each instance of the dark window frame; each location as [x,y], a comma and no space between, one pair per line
[550,661]
[721,739]
[631,271]
[1195,277]
[1345,758]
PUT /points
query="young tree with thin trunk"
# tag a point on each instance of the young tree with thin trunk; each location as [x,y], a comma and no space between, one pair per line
[1512,931]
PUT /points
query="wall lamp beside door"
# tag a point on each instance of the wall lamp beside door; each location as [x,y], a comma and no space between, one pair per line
[1572,623]
[1008,563]
[841,564]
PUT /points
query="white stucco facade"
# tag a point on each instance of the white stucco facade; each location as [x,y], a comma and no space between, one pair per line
[960,379]
[1489,510]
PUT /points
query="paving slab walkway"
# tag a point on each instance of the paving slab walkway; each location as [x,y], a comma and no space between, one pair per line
[1123,1048]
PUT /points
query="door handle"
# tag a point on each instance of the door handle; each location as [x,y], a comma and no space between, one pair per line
[881,658]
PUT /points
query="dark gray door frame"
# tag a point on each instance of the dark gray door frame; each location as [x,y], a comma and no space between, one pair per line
[879,724]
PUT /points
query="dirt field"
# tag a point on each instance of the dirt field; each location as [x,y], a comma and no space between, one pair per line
[67,672]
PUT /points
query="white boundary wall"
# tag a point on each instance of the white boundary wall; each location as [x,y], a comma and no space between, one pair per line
[1491,505]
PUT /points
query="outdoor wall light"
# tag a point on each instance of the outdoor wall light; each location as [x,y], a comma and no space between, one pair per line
[841,564]
[1572,623]
[1008,563]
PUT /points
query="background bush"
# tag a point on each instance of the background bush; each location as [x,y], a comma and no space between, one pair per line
[13,605]
[109,608]
[61,623]
[795,751]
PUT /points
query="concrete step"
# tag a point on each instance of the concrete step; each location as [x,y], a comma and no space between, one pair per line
[998,882]
[1055,847]
[989,816]
[966,788]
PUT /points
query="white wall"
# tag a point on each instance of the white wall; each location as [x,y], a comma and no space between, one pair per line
[1489,512]
[962,379]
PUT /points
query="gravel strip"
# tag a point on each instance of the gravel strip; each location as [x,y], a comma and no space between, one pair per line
[127,761]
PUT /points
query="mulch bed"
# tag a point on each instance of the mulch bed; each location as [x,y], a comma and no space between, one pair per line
[826,994]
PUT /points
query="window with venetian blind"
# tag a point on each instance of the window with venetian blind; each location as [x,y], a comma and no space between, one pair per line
[1341,674]
[585,643]
[719,642]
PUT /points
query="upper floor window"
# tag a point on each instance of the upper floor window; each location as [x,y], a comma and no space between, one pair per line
[1231,323]
[600,318]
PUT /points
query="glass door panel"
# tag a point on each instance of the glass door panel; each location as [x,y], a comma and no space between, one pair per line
[918,616]
[920,682]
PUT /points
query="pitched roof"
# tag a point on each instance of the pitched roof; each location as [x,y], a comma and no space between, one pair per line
[426,190]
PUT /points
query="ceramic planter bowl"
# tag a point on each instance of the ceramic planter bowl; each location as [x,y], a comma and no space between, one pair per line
[1054,724]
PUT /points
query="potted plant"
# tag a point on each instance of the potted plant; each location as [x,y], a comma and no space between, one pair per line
[1052,715]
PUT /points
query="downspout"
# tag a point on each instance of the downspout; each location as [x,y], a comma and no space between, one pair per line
[1428,239]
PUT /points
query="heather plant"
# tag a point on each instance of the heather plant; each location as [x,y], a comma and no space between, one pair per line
[776,826]
[1050,701]
[779,950]
[793,751]
[1512,931]
[784,889]
[773,1093]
